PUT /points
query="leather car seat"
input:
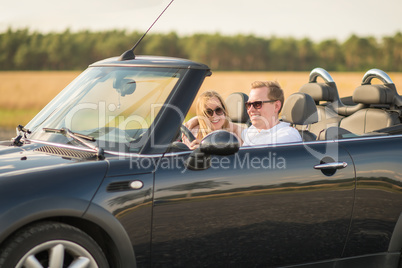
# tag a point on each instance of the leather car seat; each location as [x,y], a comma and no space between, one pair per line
[237,109]
[299,109]
[330,108]
[381,113]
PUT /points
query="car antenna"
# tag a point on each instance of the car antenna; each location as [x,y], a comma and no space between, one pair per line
[129,54]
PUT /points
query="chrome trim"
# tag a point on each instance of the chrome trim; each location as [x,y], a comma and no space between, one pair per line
[306,143]
[285,144]
[136,185]
[321,73]
[93,151]
[258,146]
[62,145]
[334,165]
[369,138]
[376,73]
[133,154]
[241,148]
[177,153]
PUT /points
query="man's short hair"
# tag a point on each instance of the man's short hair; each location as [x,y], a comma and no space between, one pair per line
[275,92]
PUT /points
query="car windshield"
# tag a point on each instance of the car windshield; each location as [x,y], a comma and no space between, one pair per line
[114,105]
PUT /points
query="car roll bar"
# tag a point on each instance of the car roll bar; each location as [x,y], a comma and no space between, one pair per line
[376,73]
[320,72]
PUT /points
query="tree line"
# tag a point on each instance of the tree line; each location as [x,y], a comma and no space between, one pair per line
[22,49]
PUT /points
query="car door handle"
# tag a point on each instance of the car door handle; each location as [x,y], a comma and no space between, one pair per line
[333,165]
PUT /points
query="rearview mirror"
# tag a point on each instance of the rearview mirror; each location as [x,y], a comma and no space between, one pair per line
[124,86]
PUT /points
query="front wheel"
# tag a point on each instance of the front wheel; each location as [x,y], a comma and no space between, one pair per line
[52,244]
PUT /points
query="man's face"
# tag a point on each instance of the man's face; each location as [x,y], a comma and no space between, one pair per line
[267,116]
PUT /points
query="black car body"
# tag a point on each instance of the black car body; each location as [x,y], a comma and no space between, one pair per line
[102,163]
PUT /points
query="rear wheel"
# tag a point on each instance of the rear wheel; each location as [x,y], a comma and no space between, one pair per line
[52,244]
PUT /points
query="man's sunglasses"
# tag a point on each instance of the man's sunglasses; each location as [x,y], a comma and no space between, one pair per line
[218,111]
[256,104]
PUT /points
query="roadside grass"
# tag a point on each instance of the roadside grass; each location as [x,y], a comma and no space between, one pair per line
[10,119]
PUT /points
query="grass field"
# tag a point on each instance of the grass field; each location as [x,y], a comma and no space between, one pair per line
[24,94]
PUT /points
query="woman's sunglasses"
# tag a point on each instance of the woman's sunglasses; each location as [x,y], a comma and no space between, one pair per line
[256,104]
[218,111]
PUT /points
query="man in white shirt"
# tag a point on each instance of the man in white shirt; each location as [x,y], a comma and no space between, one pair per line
[263,106]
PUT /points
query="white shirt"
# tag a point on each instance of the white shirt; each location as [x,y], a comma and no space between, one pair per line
[280,133]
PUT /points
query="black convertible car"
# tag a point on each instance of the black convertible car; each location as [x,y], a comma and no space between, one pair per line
[99,178]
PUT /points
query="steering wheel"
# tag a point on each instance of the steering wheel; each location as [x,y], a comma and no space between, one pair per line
[184,130]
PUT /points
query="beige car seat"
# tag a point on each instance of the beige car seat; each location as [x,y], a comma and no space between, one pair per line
[299,109]
[235,104]
[330,108]
[384,103]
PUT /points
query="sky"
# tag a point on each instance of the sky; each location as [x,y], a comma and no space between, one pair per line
[314,19]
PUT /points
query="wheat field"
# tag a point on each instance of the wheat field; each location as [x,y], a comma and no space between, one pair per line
[23,94]
[229,82]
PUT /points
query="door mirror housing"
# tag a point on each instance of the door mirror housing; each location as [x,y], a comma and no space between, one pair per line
[219,142]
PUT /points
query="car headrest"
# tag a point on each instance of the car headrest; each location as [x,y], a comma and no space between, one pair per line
[328,92]
[368,93]
[300,109]
[236,107]
[373,94]
[320,91]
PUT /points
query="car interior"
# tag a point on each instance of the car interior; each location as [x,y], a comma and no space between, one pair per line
[319,114]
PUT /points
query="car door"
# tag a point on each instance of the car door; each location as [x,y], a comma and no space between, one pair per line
[126,193]
[263,206]
[377,223]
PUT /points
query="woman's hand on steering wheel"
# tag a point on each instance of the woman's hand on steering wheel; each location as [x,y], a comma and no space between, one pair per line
[187,133]
[188,138]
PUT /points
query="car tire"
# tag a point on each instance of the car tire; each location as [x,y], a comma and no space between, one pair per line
[51,244]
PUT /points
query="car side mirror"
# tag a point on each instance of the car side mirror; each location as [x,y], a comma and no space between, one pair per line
[219,142]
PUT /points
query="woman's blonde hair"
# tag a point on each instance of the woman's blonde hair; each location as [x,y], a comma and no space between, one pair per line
[203,118]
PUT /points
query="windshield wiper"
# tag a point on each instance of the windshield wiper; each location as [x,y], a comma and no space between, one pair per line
[67,132]
[78,137]
[21,133]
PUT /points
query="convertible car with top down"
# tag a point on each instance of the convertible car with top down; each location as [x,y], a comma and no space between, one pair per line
[100,177]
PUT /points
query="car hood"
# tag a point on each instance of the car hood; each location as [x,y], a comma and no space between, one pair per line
[38,184]
[30,158]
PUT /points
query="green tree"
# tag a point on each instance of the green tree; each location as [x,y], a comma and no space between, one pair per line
[330,55]
[307,59]
[360,53]
[250,53]
[23,50]
[391,53]
[164,45]
[9,45]
[283,54]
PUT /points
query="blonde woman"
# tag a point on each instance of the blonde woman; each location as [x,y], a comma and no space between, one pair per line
[211,115]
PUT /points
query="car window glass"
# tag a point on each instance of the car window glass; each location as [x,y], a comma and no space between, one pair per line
[114,105]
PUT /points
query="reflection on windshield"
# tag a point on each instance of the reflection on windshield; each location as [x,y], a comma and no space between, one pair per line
[115,105]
